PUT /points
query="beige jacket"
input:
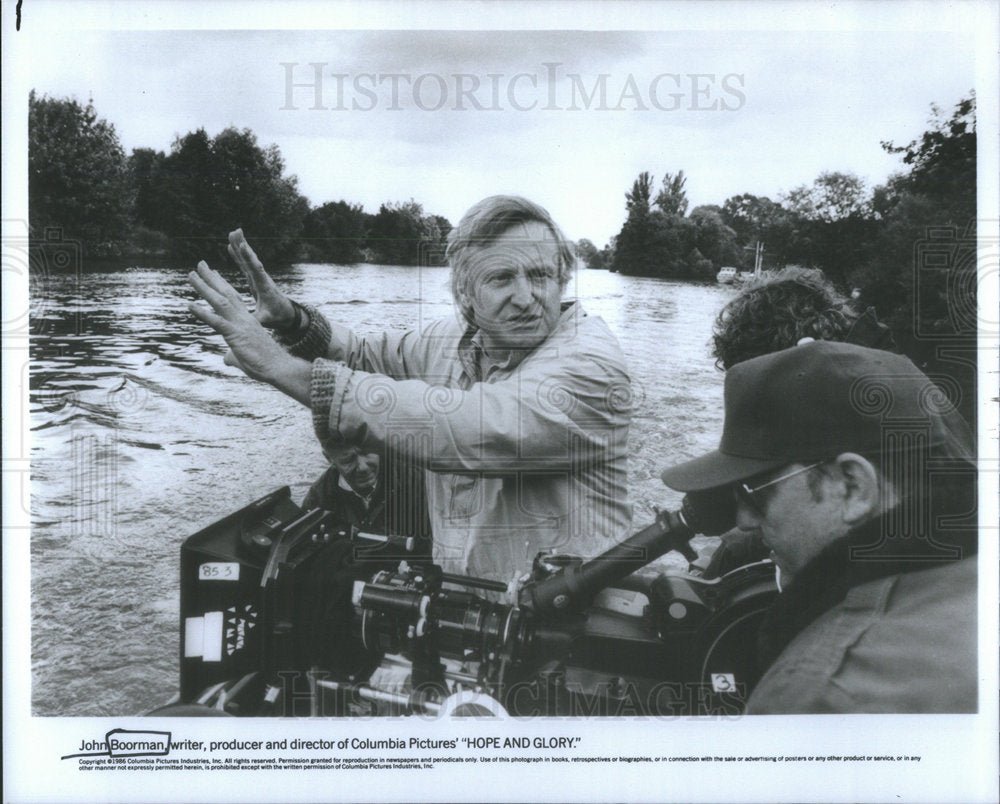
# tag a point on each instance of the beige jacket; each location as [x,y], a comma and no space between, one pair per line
[518,459]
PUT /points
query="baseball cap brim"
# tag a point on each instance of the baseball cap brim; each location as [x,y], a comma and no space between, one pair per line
[716,469]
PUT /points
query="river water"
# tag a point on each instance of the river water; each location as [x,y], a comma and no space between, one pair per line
[140,436]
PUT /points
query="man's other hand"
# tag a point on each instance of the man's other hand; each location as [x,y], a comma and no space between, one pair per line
[252,347]
[274,308]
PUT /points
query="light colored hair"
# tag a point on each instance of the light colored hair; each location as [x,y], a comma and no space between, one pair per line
[482,225]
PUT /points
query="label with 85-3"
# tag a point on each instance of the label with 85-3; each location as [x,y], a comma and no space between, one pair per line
[219,571]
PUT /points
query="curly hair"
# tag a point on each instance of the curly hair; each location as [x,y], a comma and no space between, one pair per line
[775,310]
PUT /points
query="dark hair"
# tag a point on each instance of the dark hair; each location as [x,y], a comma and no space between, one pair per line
[775,310]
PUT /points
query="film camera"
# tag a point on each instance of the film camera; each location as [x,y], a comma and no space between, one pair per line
[285,612]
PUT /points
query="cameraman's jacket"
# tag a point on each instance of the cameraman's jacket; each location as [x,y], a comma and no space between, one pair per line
[520,458]
[880,635]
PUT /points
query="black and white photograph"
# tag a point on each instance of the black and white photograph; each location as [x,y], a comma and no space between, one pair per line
[557,401]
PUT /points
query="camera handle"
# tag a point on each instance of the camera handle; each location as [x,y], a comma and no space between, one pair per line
[573,586]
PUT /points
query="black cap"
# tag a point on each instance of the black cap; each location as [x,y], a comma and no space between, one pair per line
[817,401]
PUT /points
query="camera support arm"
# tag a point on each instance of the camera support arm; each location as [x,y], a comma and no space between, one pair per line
[573,586]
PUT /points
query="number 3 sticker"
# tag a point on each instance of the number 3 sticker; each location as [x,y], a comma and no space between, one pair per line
[723,682]
[219,571]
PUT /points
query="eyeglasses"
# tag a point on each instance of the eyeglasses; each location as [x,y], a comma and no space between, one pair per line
[751,495]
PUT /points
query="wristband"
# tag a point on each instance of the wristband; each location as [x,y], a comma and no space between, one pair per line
[309,342]
[296,324]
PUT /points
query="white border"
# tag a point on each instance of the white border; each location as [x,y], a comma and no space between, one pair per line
[960,756]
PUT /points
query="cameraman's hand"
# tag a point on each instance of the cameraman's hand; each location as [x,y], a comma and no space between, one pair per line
[737,549]
[252,347]
[274,308]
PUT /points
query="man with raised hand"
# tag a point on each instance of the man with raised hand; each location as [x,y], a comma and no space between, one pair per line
[517,408]
[858,476]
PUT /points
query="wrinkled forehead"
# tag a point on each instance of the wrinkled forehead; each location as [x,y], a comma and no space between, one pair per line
[523,246]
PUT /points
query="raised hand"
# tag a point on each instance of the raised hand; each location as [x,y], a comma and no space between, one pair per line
[252,347]
[274,308]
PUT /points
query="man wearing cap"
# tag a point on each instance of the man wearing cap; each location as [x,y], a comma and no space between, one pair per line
[858,475]
[775,310]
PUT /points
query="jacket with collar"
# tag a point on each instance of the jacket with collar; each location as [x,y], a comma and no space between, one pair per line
[518,458]
[890,635]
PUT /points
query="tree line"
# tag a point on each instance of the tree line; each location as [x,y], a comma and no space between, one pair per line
[180,205]
[906,246]
[883,241]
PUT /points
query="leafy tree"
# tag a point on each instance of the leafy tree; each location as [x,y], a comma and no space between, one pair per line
[254,192]
[436,231]
[699,266]
[714,240]
[660,241]
[605,258]
[400,234]
[675,251]
[586,251]
[921,272]
[943,161]
[833,196]
[637,199]
[210,186]
[672,198]
[633,254]
[187,209]
[146,167]
[943,168]
[78,177]
[395,233]
[758,218]
[335,232]
[443,225]
[937,194]
[833,224]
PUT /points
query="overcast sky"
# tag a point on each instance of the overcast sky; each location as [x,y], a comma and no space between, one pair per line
[739,111]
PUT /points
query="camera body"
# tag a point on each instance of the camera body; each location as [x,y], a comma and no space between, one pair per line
[391,634]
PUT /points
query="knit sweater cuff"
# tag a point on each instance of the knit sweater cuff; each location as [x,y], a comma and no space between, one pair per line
[311,343]
[328,386]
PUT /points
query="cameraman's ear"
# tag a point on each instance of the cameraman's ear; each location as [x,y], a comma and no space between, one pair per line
[861,489]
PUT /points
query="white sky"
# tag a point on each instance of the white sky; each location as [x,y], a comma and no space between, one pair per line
[811,101]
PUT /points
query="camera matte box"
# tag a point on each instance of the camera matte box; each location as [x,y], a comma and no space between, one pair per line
[221,571]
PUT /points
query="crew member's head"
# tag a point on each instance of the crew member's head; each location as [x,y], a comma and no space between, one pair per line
[510,264]
[358,469]
[776,310]
[821,438]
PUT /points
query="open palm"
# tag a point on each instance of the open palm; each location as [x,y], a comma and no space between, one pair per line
[274,308]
